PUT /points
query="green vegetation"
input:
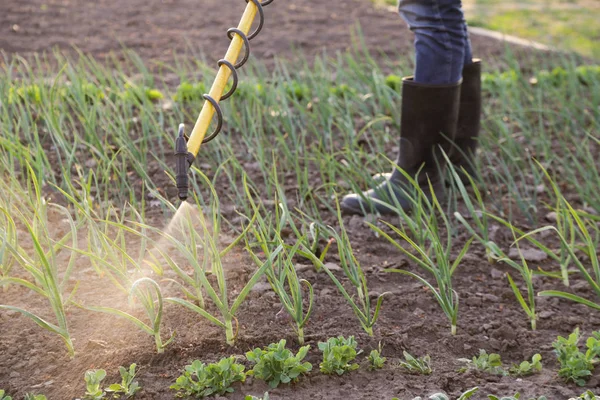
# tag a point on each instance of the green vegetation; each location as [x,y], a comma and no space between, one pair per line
[201,380]
[275,364]
[375,359]
[82,166]
[128,387]
[153,308]
[93,381]
[416,365]
[527,367]
[570,26]
[517,396]
[431,251]
[490,363]
[441,396]
[588,395]
[575,365]
[567,29]
[338,354]
[282,276]
[250,397]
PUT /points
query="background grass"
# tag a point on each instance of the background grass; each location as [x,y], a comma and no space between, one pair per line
[567,25]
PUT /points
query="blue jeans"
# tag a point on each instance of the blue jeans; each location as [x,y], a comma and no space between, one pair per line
[442,42]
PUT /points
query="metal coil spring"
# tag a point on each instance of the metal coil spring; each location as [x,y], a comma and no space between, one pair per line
[233,68]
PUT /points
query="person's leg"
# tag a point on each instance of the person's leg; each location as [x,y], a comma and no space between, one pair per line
[440,39]
[429,107]
[467,45]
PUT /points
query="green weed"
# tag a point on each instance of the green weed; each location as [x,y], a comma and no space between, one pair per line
[575,365]
[201,380]
[490,363]
[128,387]
[275,364]
[376,361]
[416,365]
[93,380]
[338,354]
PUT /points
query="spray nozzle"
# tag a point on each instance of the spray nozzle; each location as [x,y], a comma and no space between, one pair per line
[183,160]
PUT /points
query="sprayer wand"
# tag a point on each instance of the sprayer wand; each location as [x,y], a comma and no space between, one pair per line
[186,149]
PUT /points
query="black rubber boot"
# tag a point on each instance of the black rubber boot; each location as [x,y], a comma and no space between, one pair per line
[469,121]
[429,119]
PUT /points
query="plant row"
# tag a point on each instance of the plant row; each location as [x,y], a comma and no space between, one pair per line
[276,365]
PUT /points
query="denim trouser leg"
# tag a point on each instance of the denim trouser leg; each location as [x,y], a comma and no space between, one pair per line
[441,40]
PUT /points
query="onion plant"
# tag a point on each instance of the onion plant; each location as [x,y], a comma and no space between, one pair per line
[41,267]
[8,237]
[588,244]
[494,253]
[282,276]
[361,305]
[498,255]
[148,292]
[435,258]
[212,263]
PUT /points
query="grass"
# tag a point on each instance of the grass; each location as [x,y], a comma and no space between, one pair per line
[570,26]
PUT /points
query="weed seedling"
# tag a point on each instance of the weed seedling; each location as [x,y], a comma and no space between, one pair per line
[275,364]
[93,378]
[419,365]
[576,366]
[201,380]
[29,396]
[527,367]
[491,363]
[127,387]
[441,396]
[338,353]
[517,396]
[250,397]
[589,395]
[3,396]
[376,361]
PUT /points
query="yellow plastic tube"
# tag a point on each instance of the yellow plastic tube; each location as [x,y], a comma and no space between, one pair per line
[218,87]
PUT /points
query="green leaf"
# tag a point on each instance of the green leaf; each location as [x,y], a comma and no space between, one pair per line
[569,296]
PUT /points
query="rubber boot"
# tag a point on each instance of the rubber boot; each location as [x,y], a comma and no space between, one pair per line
[429,118]
[469,121]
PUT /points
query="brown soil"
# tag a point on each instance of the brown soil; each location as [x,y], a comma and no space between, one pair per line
[32,360]
[156,29]
[490,318]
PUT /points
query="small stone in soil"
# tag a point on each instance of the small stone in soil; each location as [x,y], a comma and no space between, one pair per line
[333,267]
[551,216]
[490,297]
[303,267]
[356,222]
[374,294]
[261,287]
[529,254]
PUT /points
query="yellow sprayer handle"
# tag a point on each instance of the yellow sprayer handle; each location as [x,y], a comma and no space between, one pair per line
[218,87]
